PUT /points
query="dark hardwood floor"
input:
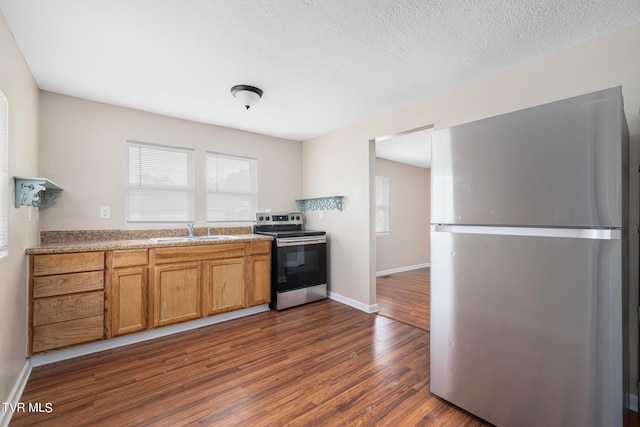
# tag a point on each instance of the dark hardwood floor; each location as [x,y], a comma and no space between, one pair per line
[322,364]
[405,297]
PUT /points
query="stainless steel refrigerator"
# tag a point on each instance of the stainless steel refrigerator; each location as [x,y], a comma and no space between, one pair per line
[529,275]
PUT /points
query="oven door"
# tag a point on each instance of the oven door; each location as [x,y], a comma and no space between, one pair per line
[300,262]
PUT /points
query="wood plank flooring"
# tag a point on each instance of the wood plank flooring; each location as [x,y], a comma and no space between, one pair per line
[405,297]
[322,364]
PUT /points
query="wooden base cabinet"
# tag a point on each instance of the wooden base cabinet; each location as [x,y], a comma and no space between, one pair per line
[224,286]
[176,293]
[66,300]
[129,300]
[259,282]
[81,297]
[128,277]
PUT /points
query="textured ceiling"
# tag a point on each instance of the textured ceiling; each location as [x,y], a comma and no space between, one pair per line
[323,64]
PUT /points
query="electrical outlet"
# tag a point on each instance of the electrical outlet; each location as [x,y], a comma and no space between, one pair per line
[320,214]
[105,212]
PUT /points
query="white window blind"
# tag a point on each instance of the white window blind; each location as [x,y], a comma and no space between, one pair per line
[4,173]
[382,204]
[231,188]
[160,187]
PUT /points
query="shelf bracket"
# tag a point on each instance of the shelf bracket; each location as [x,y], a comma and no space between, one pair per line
[38,192]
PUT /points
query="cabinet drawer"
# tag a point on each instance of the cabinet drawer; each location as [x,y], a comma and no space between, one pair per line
[67,307]
[198,253]
[67,263]
[63,334]
[130,258]
[61,284]
[256,248]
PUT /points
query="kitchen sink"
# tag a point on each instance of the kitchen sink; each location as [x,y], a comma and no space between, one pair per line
[187,239]
[216,237]
[169,239]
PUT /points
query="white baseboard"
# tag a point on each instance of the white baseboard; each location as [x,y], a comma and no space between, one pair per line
[81,350]
[16,393]
[353,303]
[402,269]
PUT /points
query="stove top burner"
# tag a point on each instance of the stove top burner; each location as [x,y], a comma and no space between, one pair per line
[282,224]
[293,233]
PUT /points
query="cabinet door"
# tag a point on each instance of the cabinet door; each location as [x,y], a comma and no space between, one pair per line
[259,280]
[177,289]
[224,289]
[128,300]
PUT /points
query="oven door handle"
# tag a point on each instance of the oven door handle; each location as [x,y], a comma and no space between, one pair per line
[296,241]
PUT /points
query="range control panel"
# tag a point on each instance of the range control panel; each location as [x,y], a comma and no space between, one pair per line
[279,218]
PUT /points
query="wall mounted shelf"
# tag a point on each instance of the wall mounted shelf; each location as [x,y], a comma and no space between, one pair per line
[38,192]
[320,204]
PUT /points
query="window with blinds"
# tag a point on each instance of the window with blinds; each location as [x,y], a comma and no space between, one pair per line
[159,185]
[231,188]
[382,204]
[4,174]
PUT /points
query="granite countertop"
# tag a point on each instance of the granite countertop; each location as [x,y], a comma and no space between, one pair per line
[58,242]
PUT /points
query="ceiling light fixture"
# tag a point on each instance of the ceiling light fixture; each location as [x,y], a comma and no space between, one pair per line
[246,95]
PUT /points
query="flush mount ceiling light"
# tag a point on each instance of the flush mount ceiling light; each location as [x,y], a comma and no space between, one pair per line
[246,95]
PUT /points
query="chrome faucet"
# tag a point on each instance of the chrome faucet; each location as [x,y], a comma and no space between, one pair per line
[190,228]
[208,231]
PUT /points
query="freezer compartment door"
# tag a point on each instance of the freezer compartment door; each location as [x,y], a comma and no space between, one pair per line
[528,330]
[559,164]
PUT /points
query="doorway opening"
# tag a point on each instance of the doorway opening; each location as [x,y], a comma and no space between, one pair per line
[401,214]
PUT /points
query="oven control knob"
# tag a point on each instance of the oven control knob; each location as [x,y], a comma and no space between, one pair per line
[268,218]
[298,218]
[261,218]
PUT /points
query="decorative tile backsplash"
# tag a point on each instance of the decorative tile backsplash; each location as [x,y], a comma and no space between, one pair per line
[320,204]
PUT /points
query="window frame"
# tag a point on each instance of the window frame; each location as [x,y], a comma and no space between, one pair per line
[382,206]
[253,191]
[189,189]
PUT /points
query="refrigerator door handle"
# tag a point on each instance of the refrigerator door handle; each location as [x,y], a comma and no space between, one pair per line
[575,233]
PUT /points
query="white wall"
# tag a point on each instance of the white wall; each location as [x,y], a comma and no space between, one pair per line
[340,161]
[338,165]
[21,89]
[82,150]
[407,243]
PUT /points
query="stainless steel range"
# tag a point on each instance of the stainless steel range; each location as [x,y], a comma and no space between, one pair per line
[298,259]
